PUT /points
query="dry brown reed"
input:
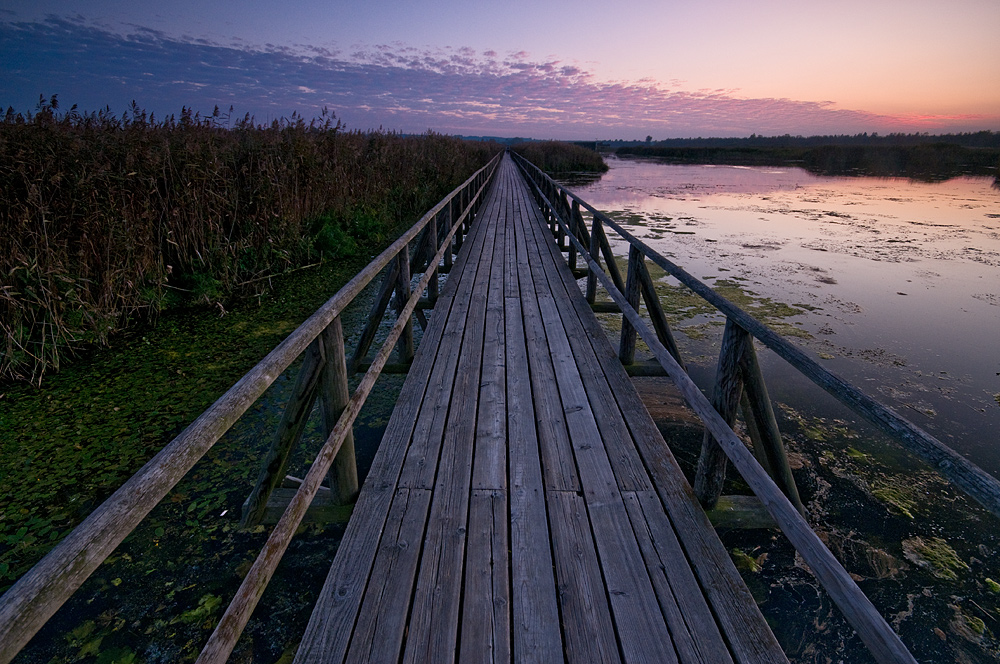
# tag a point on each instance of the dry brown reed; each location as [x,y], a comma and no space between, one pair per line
[106,220]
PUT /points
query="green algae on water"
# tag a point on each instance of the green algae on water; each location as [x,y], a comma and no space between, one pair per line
[935,555]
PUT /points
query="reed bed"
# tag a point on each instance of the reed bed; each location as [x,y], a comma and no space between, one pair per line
[108,220]
[560,157]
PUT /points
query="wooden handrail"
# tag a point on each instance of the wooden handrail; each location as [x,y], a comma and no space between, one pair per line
[228,631]
[884,644]
[974,481]
[37,595]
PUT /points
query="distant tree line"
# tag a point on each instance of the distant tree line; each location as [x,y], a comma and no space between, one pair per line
[978,139]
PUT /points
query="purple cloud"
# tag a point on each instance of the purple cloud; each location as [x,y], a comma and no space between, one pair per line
[453,90]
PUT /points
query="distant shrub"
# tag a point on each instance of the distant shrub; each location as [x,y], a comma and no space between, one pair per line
[105,220]
[560,157]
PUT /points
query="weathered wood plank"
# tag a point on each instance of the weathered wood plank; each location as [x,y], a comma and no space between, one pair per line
[536,635]
[486,607]
[556,451]
[490,467]
[692,625]
[433,628]
[628,467]
[587,624]
[378,634]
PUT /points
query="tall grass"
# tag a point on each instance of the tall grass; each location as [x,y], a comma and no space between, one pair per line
[105,220]
[560,157]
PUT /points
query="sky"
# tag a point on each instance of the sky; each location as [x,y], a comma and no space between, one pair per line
[539,68]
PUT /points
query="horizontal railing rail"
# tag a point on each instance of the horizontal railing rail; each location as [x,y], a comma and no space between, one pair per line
[37,595]
[884,644]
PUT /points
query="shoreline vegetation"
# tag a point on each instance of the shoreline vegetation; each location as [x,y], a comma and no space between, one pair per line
[110,220]
[925,158]
[561,157]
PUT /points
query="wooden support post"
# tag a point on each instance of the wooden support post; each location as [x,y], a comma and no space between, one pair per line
[293,422]
[458,214]
[626,348]
[739,381]
[595,254]
[656,315]
[711,473]
[432,285]
[574,225]
[775,460]
[609,258]
[334,395]
[375,315]
[405,344]
[449,217]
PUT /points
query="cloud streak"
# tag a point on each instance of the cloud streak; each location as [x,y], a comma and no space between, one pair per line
[453,90]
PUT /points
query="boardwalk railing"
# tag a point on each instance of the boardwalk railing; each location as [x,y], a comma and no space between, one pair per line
[739,383]
[36,596]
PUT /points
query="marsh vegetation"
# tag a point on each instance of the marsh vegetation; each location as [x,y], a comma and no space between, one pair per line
[109,220]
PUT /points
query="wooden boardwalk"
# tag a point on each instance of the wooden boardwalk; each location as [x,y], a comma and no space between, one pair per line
[523,505]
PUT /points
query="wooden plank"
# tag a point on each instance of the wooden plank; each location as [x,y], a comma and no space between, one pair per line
[643,635]
[486,607]
[421,461]
[586,616]
[556,451]
[640,624]
[628,467]
[378,634]
[692,626]
[490,467]
[535,621]
[433,627]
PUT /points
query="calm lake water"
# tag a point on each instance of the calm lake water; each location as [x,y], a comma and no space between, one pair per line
[903,277]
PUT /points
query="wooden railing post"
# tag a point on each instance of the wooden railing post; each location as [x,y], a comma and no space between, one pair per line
[432,285]
[293,422]
[626,348]
[405,346]
[655,310]
[739,382]
[609,258]
[595,254]
[574,225]
[334,395]
[449,216]
[711,473]
[762,424]
[458,215]
[375,315]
